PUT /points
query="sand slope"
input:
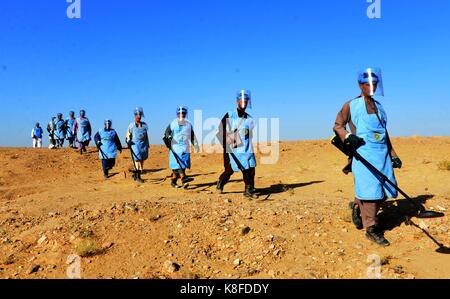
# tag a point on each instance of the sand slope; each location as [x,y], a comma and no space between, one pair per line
[51,201]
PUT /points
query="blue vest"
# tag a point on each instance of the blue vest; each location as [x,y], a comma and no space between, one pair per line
[140,143]
[244,153]
[108,146]
[373,130]
[59,129]
[69,122]
[181,145]
[37,132]
[83,130]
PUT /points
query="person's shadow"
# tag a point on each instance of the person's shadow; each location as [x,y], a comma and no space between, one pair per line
[396,212]
[281,188]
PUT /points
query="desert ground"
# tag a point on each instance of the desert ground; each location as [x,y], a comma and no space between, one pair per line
[56,203]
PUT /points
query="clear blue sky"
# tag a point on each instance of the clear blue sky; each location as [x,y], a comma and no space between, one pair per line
[299,58]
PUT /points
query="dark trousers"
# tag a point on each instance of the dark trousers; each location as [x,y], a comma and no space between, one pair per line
[71,141]
[369,210]
[248,174]
[108,164]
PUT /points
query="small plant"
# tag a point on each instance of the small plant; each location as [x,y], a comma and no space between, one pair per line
[444,165]
[87,248]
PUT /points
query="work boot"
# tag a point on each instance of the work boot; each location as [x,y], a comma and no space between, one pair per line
[219,187]
[185,183]
[374,234]
[356,215]
[173,183]
[138,177]
[105,174]
[249,194]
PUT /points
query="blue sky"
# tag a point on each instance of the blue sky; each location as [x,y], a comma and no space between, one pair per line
[299,59]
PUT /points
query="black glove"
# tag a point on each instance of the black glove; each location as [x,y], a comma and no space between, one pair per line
[168,141]
[99,144]
[396,162]
[354,142]
[129,143]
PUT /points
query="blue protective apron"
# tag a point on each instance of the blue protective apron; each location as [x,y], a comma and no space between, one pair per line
[37,132]
[181,145]
[373,130]
[83,130]
[69,128]
[59,129]
[139,138]
[244,153]
[108,146]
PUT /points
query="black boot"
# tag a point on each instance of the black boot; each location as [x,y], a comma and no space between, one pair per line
[138,177]
[356,215]
[219,187]
[105,174]
[249,194]
[173,183]
[185,183]
[375,235]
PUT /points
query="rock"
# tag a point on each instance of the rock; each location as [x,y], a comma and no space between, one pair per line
[440,208]
[34,269]
[225,213]
[245,230]
[107,245]
[237,262]
[227,200]
[171,267]
[422,225]
[155,218]
[42,239]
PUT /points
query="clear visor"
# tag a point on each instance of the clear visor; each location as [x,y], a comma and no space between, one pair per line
[371,81]
[244,99]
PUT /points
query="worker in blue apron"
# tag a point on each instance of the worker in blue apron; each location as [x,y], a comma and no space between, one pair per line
[36,135]
[368,135]
[138,142]
[60,130]
[70,136]
[108,143]
[51,133]
[178,137]
[235,135]
[83,131]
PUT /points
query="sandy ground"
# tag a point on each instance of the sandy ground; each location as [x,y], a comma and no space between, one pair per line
[54,203]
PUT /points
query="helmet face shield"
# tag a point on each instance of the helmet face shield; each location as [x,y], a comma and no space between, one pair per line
[139,111]
[244,99]
[108,124]
[82,113]
[371,82]
[182,112]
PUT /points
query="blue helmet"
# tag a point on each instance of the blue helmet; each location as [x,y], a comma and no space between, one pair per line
[82,113]
[139,111]
[108,123]
[71,113]
[182,109]
[243,95]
